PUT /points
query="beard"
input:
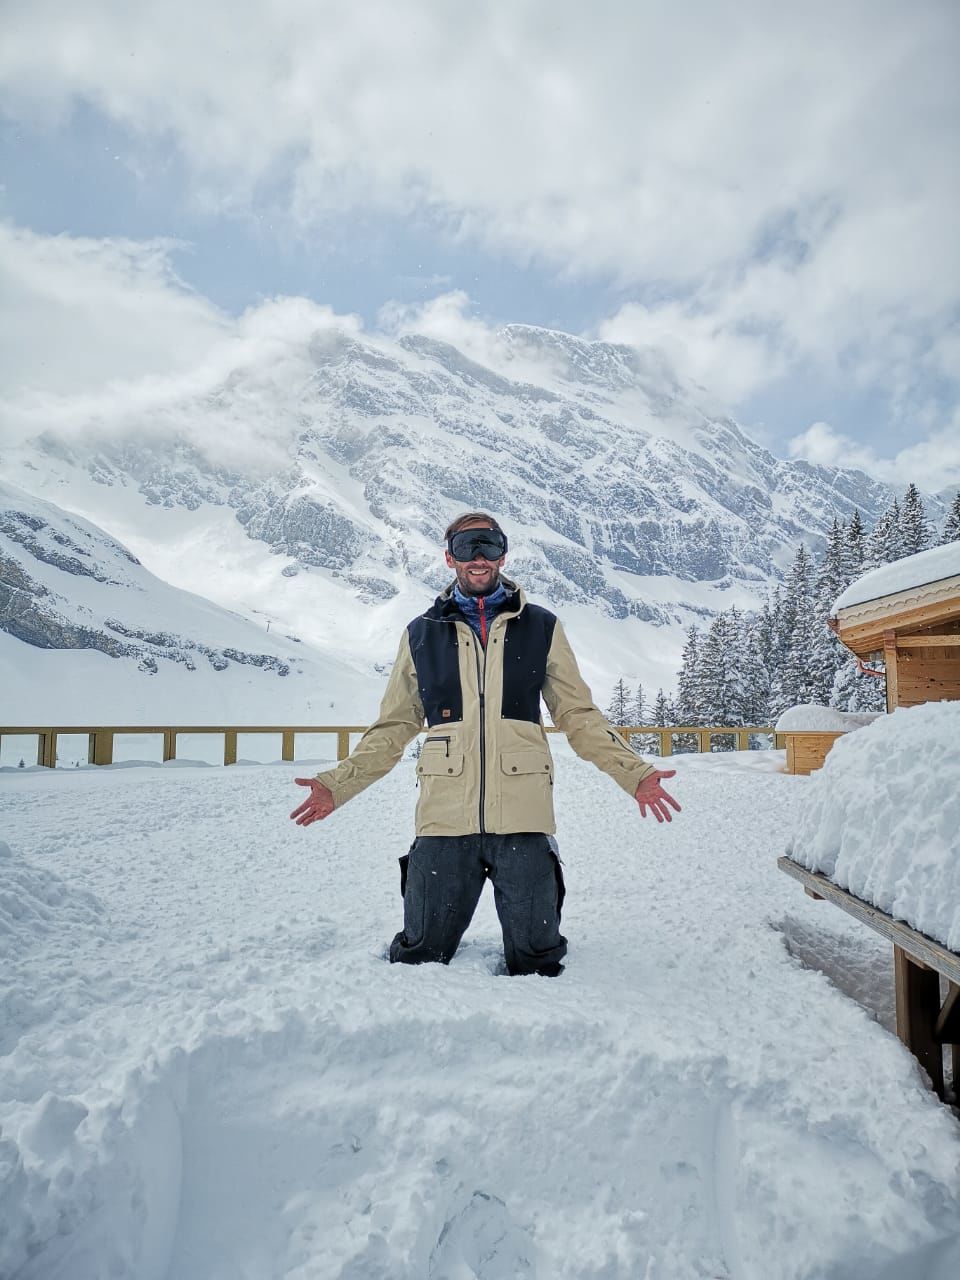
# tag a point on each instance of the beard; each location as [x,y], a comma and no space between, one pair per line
[477,586]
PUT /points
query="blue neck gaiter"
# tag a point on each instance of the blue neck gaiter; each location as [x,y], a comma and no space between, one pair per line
[492,604]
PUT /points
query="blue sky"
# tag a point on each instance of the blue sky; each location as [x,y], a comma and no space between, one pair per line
[768,197]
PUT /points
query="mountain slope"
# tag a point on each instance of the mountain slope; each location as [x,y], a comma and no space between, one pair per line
[88,635]
[312,479]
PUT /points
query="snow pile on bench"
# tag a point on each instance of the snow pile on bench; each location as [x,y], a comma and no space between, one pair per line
[811,717]
[883,818]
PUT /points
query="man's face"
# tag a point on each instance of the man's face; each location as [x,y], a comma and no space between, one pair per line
[477,577]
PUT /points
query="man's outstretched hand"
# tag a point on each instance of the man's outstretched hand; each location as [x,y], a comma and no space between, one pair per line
[319,803]
[650,795]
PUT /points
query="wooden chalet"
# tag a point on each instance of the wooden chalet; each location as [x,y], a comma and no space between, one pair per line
[915,629]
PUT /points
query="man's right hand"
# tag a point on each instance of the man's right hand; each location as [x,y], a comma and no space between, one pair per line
[319,803]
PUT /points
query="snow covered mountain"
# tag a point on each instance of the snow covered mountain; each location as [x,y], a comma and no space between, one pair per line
[308,480]
[87,635]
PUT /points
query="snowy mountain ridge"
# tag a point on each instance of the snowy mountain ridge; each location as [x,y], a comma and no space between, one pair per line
[311,481]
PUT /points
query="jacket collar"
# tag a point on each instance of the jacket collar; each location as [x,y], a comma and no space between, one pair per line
[446,608]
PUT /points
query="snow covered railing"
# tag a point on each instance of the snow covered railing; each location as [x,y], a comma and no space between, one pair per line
[101,737]
[923,1024]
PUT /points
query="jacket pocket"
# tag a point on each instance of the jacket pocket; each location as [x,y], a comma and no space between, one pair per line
[526,790]
[526,760]
[437,762]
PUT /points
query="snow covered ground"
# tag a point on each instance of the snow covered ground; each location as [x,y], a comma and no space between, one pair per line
[208,1071]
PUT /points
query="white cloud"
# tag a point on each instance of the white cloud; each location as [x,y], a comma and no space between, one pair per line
[98,336]
[782,177]
[76,312]
[932,463]
[617,138]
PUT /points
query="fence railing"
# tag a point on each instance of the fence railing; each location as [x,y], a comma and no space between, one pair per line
[100,738]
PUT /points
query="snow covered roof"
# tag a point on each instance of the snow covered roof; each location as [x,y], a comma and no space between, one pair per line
[930,573]
[911,594]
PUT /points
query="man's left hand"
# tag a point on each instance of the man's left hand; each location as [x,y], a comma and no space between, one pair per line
[650,794]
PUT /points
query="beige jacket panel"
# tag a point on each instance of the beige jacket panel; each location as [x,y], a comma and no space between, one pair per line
[399,722]
[571,705]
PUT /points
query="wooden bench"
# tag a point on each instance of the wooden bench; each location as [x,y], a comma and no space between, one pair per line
[924,1023]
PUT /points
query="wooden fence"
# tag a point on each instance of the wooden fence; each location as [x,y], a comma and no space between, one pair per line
[100,738]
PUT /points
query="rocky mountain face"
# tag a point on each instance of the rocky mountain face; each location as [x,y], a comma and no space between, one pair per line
[603,466]
[43,552]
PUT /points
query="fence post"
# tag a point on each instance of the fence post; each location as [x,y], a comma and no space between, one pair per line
[343,744]
[743,740]
[666,742]
[47,749]
[100,747]
[229,746]
[704,737]
[169,744]
[287,751]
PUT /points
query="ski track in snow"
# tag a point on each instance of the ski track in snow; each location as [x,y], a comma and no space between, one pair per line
[207,1071]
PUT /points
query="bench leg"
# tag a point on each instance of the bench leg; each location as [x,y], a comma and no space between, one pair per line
[918,1006]
[948,1033]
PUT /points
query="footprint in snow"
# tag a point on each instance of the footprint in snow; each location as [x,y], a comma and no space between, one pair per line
[483,1242]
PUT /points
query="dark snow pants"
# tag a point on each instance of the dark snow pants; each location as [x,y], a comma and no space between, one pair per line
[441,880]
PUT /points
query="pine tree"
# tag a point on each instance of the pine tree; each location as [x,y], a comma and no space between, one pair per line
[914,527]
[717,689]
[829,654]
[794,679]
[709,681]
[802,681]
[648,744]
[855,550]
[853,691]
[688,711]
[618,712]
[639,710]
[951,526]
[886,541]
[754,673]
[663,713]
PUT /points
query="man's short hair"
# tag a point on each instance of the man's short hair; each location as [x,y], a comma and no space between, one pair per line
[468,518]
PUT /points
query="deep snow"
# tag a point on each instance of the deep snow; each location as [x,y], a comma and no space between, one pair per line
[209,1071]
[883,818]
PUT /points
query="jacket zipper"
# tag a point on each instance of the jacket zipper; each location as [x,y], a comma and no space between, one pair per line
[481,685]
[481,613]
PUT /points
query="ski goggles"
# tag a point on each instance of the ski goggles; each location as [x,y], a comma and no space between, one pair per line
[477,544]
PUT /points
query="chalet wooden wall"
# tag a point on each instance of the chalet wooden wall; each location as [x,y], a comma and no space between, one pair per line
[921,668]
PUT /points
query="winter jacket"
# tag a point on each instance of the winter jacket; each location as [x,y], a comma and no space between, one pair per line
[485,765]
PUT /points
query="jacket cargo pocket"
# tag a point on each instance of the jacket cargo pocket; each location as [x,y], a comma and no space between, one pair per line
[526,790]
[441,804]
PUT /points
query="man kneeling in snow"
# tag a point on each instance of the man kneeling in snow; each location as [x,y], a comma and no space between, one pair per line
[475,667]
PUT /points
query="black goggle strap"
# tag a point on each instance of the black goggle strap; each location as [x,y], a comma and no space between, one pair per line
[465,544]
